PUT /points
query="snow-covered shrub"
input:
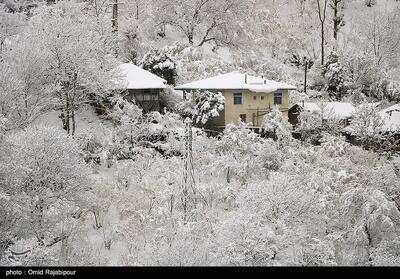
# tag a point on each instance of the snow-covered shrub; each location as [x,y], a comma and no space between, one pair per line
[164,132]
[310,124]
[91,148]
[277,125]
[369,219]
[240,153]
[366,127]
[393,89]
[260,231]
[127,117]
[334,146]
[183,245]
[202,106]
[314,124]
[386,254]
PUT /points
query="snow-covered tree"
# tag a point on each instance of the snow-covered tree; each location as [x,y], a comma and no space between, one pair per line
[127,116]
[10,25]
[336,76]
[160,63]
[302,62]
[202,106]
[201,20]
[80,60]
[337,6]
[45,178]
[27,91]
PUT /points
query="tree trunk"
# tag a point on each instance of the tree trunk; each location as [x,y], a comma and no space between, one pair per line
[40,216]
[96,218]
[73,121]
[322,18]
[369,245]
[322,44]
[228,175]
[171,208]
[336,20]
[305,76]
[67,115]
[131,137]
[115,15]
[190,38]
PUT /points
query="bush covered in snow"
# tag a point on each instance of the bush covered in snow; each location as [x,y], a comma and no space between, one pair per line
[202,106]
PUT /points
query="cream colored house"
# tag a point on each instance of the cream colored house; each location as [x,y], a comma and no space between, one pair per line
[247,98]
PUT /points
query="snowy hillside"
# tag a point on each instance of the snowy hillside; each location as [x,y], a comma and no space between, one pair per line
[199,133]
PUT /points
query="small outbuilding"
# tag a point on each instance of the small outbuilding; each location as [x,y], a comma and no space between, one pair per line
[142,86]
[340,111]
[391,116]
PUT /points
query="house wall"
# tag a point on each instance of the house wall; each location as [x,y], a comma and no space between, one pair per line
[254,109]
[147,105]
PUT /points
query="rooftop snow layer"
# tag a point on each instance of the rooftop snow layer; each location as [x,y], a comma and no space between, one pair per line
[134,77]
[336,110]
[391,117]
[236,80]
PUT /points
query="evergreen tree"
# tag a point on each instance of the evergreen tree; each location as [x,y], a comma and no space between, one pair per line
[161,64]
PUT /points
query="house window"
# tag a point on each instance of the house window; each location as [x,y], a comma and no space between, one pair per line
[262,97]
[237,98]
[254,98]
[148,97]
[278,98]
[243,118]
[139,97]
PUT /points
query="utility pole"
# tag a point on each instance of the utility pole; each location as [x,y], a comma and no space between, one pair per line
[188,191]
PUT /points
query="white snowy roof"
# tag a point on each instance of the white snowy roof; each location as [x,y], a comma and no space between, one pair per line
[236,80]
[369,105]
[134,77]
[391,116]
[330,110]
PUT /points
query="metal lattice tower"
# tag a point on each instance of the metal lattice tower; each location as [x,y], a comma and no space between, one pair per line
[188,189]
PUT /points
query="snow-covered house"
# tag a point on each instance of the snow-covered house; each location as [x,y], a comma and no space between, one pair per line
[247,97]
[141,85]
[391,116]
[329,110]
